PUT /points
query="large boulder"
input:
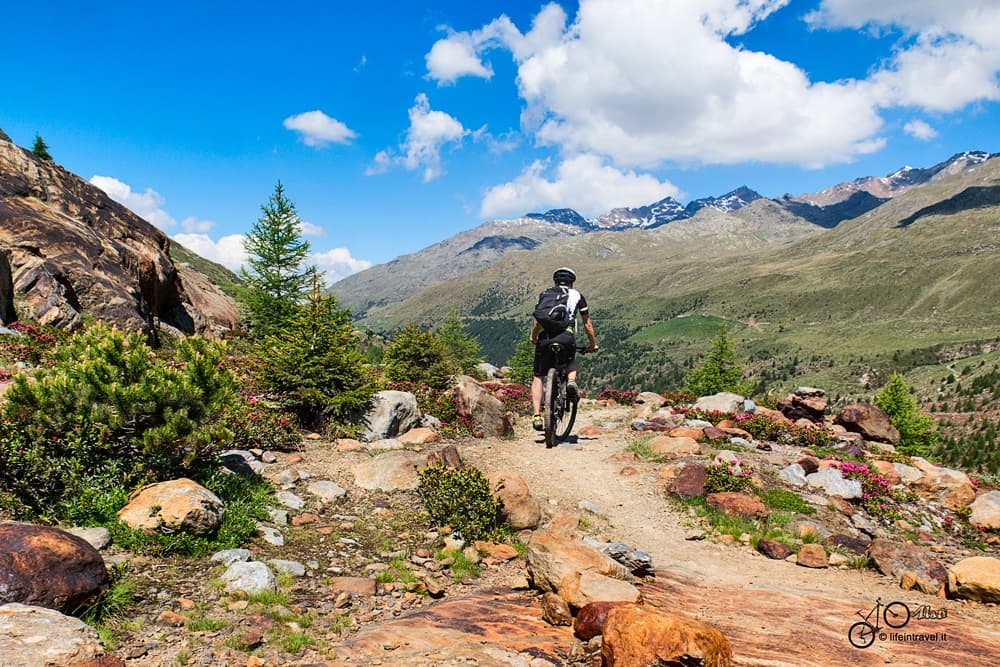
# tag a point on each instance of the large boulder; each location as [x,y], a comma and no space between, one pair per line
[179,505]
[910,565]
[868,420]
[34,636]
[635,636]
[48,567]
[391,413]
[976,578]
[392,471]
[721,402]
[557,556]
[73,250]
[518,506]
[476,402]
[986,511]
[796,407]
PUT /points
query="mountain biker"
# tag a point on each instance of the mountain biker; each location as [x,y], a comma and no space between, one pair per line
[544,359]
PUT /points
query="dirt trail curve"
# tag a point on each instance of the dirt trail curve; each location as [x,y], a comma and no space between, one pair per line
[773,612]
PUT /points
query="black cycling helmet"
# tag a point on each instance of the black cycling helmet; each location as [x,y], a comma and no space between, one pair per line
[564,276]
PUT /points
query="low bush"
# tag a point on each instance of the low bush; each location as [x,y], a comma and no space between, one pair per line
[460,498]
[440,403]
[623,397]
[109,414]
[732,475]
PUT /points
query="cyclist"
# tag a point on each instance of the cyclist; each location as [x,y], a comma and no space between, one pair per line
[544,359]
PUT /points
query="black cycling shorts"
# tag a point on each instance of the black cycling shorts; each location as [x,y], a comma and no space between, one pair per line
[545,359]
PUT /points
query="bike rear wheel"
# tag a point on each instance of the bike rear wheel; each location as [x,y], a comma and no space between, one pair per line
[568,414]
[551,407]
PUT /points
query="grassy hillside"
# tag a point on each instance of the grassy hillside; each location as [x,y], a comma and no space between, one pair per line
[218,274]
[907,284]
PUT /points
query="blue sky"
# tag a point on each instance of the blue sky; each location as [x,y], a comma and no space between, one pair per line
[398,124]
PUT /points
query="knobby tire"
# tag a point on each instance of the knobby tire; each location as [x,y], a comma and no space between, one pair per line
[550,407]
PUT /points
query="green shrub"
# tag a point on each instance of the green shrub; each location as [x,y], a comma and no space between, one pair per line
[255,424]
[414,355]
[460,498]
[463,350]
[733,475]
[315,367]
[110,413]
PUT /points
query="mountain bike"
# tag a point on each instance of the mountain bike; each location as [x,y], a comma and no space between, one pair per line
[895,615]
[558,411]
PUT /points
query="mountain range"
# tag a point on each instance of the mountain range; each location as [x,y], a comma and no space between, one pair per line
[897,266]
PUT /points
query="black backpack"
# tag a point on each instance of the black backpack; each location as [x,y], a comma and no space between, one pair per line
[552,310]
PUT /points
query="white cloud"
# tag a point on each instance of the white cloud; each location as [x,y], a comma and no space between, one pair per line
[950,56]
[450,59]
[148,205]
[317,129]
[338,263]
[583,182]
[309,229]
[645,84]
[429,132]
[192,224]
[228,250]
[920,130]
[621,81]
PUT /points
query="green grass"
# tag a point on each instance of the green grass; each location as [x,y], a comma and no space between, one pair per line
[686,326]
[461,567]
[784,500]
[398,571]
[640,447]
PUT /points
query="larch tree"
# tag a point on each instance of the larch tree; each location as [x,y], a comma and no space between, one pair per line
[276,278]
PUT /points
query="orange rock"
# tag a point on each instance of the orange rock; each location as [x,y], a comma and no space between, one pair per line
[636,636]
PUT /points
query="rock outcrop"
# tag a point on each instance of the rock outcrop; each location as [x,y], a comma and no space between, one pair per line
[72,250]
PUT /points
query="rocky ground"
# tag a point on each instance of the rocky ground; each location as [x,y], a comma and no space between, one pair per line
[427,610]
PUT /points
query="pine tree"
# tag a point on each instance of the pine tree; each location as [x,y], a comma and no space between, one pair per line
[463,349]
[719,370]
[317,368]
[277,279]
[41,149]
[917,432]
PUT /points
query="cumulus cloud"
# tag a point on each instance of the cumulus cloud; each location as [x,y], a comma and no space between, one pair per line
[228,250]
[583,182]
[317,129]
[621,79]
[949,57]
[920,130]
[338,263]
[148,204]
[309,229]
[450,59]
[429,132]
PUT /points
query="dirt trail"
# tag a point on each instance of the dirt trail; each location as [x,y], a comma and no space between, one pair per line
[774,612]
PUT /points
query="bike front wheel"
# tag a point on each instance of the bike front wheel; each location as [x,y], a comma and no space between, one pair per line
[861,634]
[896,614]
[551,407]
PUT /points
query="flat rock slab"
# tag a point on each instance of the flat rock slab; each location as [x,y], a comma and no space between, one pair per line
[487,628]
[805,629]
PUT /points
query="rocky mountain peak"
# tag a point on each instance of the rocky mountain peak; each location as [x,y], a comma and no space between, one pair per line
[565,216]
